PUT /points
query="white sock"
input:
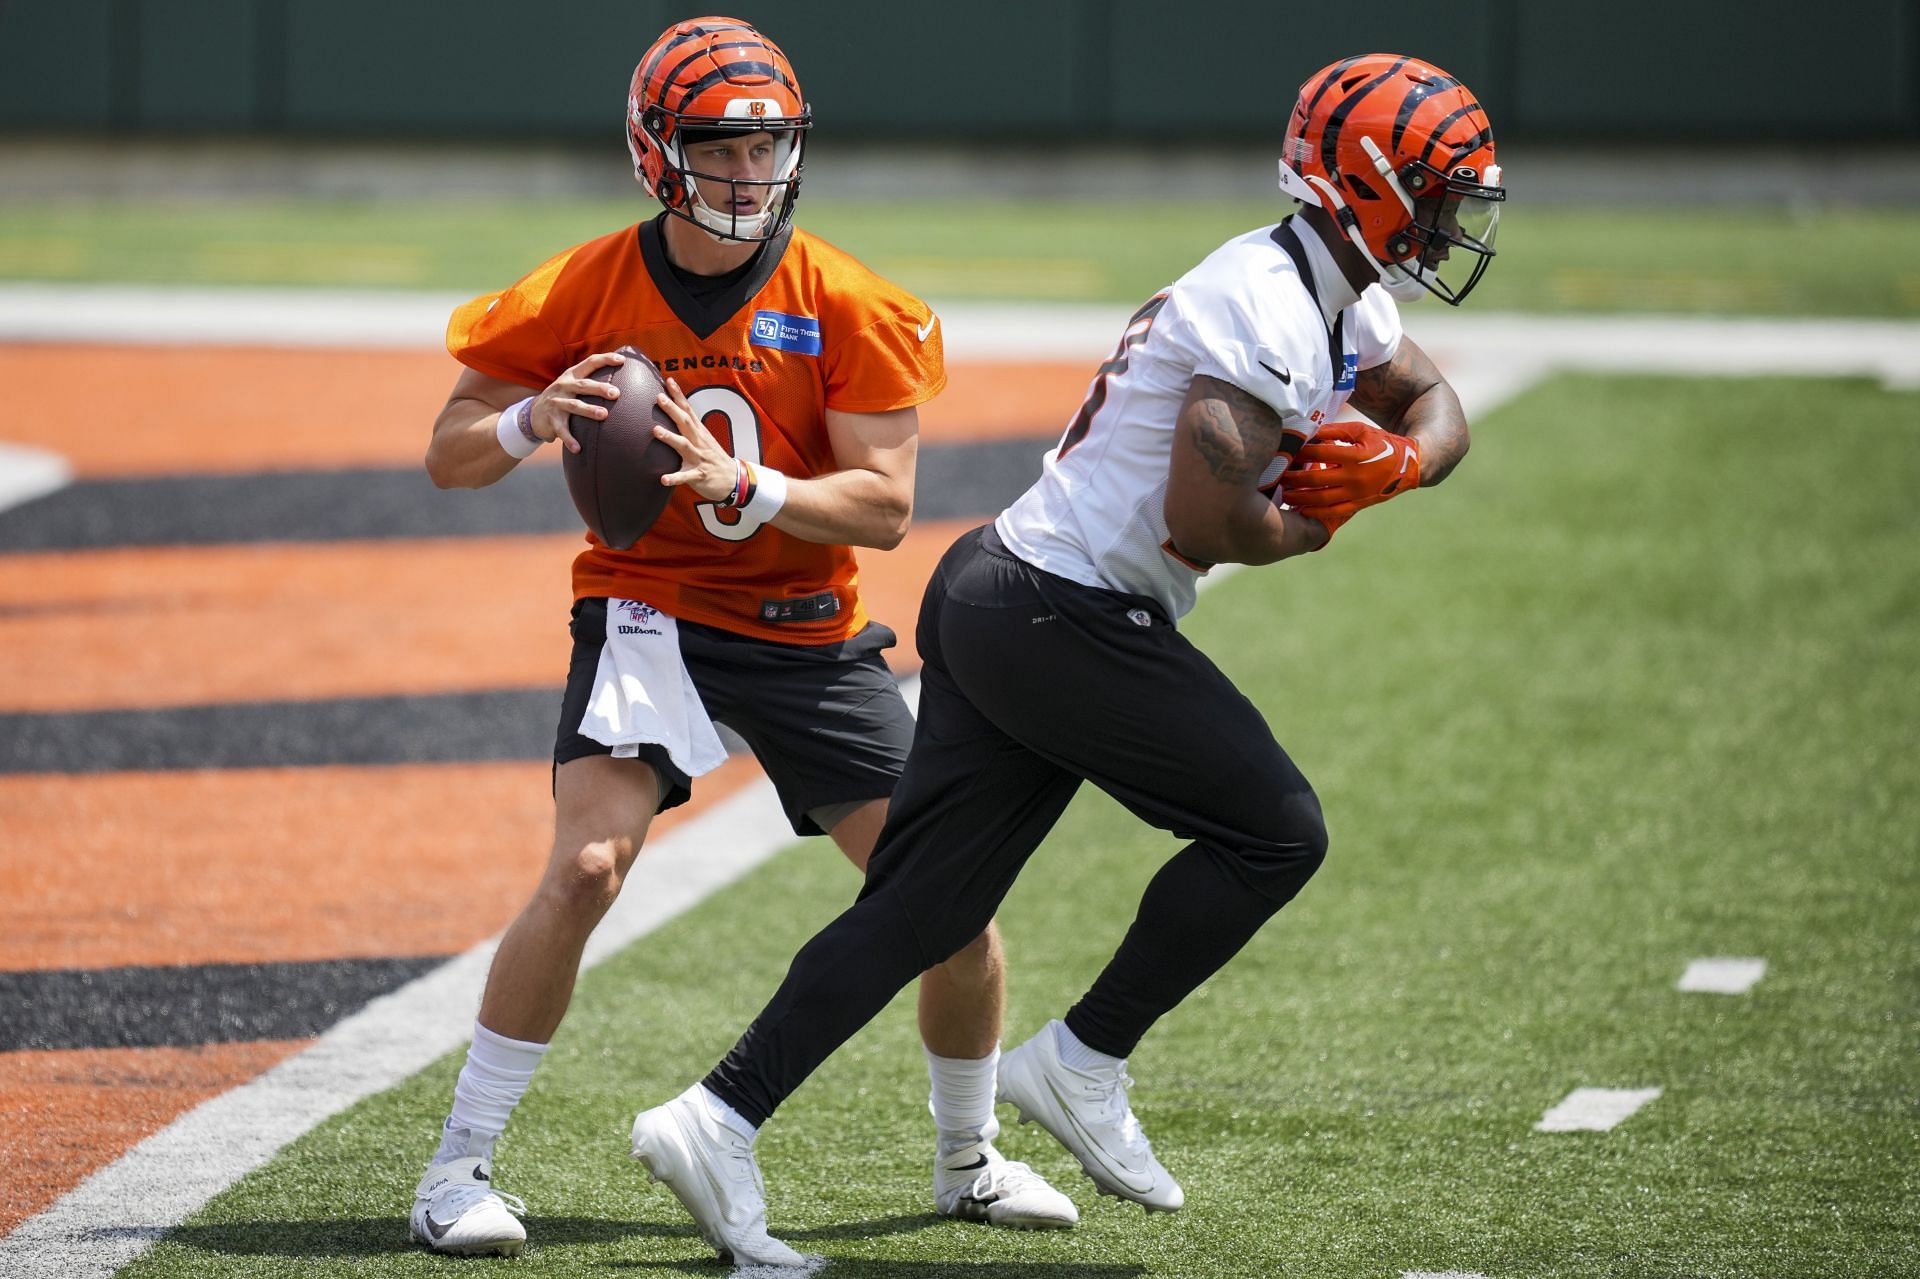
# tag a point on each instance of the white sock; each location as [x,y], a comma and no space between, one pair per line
[1081,1057]
[491,1084]
[962,1100]
[723,1113]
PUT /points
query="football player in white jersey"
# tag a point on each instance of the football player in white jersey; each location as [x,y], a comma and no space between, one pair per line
[1049,640]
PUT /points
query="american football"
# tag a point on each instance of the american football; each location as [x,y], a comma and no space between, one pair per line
[615,477]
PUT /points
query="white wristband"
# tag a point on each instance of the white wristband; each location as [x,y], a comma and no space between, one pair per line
[514,430]
[769,494]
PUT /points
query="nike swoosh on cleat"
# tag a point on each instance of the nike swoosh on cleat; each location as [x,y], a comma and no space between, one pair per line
[1135,1179]
[981,1162]
[1285,375]
[437,1230]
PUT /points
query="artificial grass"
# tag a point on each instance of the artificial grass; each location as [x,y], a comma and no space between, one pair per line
[1634,687]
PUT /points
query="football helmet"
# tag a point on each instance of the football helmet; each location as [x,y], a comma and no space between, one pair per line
[705,79]
[1401,155]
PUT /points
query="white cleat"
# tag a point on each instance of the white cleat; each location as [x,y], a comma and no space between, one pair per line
[977,1183]
[1087,1112]
[710,1169]
[457,1210]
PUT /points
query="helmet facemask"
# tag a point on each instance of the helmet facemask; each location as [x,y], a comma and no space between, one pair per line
[669,141]
[1447,243]
[773,196]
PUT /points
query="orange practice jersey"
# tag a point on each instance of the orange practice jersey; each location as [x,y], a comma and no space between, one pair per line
[809,329]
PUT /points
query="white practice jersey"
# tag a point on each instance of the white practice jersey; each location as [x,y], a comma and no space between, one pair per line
[1246,315]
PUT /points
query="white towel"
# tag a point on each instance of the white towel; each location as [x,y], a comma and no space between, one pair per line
[642,692]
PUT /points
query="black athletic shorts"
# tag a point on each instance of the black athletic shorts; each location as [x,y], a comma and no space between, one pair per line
[826,721]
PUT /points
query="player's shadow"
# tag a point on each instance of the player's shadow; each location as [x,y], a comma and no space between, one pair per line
[873,1229]
[367,1237]
[859,1268]
[379,1236]
[875,1268]
[386,1236]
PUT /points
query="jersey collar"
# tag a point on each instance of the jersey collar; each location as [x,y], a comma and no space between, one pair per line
[1329,284]
[704,315]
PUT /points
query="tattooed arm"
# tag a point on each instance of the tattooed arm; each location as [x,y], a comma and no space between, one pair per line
[1408,396]
[1222,442]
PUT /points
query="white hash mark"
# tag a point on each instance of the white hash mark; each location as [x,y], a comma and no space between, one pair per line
[1594,1109]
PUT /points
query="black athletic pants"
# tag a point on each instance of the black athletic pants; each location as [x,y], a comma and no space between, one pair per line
[1031,684]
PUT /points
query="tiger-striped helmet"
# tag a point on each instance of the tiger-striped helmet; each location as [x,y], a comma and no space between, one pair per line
[706,79]
[1401,155]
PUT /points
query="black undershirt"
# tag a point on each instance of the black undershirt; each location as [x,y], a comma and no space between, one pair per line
[705,302]
[703,288]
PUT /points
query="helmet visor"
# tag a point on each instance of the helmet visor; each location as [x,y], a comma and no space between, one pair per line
[1453,231]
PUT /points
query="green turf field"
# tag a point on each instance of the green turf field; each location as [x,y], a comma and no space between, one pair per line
[1552,259]
[1635,687]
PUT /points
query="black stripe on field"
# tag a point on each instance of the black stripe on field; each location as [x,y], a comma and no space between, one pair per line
[182,1006]
[447,728]
[954,482]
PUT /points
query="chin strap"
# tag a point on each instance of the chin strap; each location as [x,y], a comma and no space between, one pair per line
[1394,278]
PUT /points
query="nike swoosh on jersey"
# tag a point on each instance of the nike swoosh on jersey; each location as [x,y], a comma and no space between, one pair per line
[1285,375]
[1133,1178]
[926,330]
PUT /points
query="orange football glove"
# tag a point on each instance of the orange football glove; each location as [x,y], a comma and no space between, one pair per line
[1347,467]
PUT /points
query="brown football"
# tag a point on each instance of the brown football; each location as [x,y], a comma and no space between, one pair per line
[615,477]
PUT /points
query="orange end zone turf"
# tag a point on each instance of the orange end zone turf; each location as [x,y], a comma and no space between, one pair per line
[180,626]
[64,1114]
[247,865]
[225,409]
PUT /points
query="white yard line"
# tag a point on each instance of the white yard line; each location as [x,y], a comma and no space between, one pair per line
[153,315]
[1595,1109]
[29,473]
[1722,976]
[1441,1274]
[1515,347]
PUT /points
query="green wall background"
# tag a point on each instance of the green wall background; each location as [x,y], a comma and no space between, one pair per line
[1149,70]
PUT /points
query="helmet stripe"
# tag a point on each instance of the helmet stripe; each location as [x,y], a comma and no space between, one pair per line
[1327,82]
[1468,147]
[727,72]
[661,50]
[1408,105]
[1453,117]
[1337,119]
[711,52]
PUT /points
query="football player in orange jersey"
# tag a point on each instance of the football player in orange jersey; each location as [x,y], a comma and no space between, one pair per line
[795,373]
